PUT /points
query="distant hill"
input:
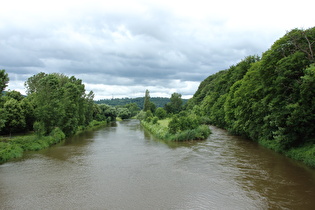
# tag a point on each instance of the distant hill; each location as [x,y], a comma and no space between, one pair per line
[158,101]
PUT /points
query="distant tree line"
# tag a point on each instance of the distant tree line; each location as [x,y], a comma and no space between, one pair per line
[139,101]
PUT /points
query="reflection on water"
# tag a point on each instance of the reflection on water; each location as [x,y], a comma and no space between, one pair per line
[123,167]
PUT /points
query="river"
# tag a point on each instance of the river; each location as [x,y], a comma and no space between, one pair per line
[123,167]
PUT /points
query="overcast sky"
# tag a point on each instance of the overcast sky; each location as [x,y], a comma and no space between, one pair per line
[121,48]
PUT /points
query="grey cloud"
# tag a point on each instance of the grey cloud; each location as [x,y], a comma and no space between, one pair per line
[150,48]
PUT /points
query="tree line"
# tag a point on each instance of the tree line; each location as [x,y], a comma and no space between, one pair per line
[139,101]
[270,99]
[53,101]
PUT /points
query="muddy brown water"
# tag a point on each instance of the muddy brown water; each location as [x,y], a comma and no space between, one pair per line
[123,167]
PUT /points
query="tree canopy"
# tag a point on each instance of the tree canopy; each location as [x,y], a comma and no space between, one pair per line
[269,98]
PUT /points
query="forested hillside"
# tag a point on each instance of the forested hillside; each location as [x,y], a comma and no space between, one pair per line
[269,99]
[158,101]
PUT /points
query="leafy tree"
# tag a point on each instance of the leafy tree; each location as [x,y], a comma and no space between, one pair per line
[15,95]
[32,83]
[4,80]
[59,101]
[175,104]
[123,113]
[160,113]
[28,111]
[269,98]
[182,122]
[106,112]
[133,109]
[2,118]
[15,120]
[147,104]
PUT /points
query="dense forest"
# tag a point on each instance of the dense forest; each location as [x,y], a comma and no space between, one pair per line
[270,99]
[158,101]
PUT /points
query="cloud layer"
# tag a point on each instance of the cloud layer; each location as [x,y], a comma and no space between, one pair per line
[120,49]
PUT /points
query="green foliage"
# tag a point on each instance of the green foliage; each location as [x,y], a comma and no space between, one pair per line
[60,101]
[155,120]
[159,130]
[105,112]
[139,101]
[148,116]
[123,113]
[14,117]
[14,147]
[9,151]
[175,104]
[17,113]
[141,115]
[305,154]
[4,80]
[133,109]
[270,100]
[160,113]
[183,122]
[147,103]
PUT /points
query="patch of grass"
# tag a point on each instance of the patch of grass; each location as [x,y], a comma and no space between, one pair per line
[305,153]
[14,147]
[164,122]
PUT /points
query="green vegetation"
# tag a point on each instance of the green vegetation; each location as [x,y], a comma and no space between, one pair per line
[56,106]
[172,123]
[14,147]
[139,101]
[161,130]
[269,99]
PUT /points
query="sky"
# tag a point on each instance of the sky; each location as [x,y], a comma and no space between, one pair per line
[121,48]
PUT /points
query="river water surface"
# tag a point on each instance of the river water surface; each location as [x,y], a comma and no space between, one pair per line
[123,167]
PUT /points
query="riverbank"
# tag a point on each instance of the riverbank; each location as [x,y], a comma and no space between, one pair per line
[160,130]
[304,153]
[14,147]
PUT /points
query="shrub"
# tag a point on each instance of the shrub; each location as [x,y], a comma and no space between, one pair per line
[155,120]
[9,151]
[163,132]
[160,113]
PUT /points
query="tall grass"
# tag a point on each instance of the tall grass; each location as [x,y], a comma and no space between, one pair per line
[15,147]
[304,153]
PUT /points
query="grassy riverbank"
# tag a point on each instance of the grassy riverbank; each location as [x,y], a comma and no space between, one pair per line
[304,153]
[14,147]
[161,131]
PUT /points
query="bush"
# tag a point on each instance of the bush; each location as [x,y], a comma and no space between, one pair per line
[155,120]
[183,121]
[141,115]
[163,132]
[200,133]
[9,151]
[160,113]
[57,135]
